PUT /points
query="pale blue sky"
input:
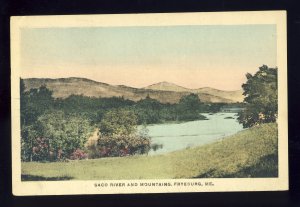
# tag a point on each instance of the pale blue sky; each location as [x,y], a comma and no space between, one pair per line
[202,50]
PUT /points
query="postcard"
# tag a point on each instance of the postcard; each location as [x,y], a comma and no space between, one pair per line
[149,103]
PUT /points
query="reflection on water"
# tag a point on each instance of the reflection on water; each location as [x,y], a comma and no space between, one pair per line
[174,137]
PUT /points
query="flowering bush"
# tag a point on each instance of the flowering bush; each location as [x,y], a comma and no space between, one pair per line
[55,136]
[40,149]
[78,154]
[123,145]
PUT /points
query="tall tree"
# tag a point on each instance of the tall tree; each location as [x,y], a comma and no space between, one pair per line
[188,107]
[261,97]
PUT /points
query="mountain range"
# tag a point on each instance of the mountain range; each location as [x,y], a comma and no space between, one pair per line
[164,92]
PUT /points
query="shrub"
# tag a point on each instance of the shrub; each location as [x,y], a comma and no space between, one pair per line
[156,147]
[40,149]
[123,145]
[118,135]
[78,154]
[54,136]
[93,151]
[66,134]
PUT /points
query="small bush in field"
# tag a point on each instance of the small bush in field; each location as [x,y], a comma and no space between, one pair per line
[93,151]
[78,154]
[40,149]
[123,145]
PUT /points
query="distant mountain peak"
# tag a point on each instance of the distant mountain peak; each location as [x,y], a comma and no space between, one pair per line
[167,83]
[166,86]
[163,83]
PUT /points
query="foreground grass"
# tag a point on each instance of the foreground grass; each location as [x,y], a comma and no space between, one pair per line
[249,153]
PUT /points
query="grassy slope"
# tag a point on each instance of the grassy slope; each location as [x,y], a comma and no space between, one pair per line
[249,153]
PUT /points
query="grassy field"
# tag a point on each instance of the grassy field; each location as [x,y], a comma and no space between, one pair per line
[249,153]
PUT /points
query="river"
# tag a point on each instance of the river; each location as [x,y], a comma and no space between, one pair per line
[179,136]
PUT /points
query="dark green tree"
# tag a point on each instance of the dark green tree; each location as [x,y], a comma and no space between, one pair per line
[148,111]
[188,108]
[261,97]
[34,103]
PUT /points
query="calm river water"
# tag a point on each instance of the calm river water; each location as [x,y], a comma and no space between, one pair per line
[194,133]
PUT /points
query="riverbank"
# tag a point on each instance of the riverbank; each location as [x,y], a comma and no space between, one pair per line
[201,117]
[249,153]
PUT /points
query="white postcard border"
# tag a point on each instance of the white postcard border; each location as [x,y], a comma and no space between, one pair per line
[207,185]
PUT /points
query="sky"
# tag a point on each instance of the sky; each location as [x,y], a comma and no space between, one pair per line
[191,56]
